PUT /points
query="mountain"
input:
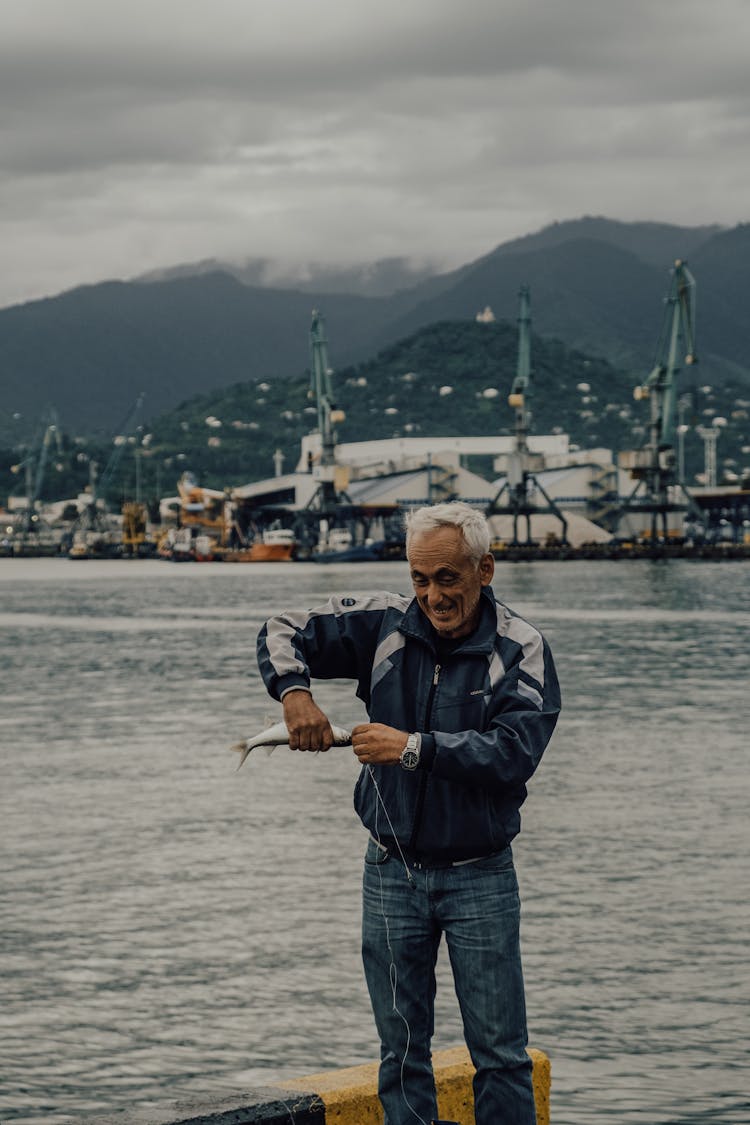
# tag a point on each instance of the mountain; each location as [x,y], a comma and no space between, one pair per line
[596,284]
[578,293]
[656,243]
[93,350]
[370,279]
[596,294]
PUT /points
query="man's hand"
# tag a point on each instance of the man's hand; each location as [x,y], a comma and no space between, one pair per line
[377,744]
[308,727]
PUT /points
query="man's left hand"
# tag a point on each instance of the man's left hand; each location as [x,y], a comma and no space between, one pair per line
[377,744]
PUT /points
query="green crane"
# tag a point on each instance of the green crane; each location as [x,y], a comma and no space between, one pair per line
[321,389]
[326,472]
[522,463]
[661,385]
[35,465]
[655,466]
[522,389]
[92,525]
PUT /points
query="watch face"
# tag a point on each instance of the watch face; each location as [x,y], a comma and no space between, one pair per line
[410,759]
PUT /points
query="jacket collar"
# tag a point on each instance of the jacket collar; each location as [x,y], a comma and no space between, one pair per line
[482,640]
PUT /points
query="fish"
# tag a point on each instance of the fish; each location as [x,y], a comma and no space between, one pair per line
[278,735]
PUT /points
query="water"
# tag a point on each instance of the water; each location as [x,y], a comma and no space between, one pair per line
[171,928]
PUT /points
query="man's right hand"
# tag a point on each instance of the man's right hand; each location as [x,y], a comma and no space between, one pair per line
[308,727]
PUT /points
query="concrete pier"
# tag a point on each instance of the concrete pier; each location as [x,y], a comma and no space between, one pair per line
[344,1097]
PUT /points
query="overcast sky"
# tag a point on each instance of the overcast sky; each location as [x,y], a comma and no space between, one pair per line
[136,134]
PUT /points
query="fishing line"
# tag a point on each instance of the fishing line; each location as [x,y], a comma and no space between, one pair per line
[390,824]
[392,970]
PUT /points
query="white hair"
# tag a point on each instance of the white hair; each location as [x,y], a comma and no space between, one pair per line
[469,521]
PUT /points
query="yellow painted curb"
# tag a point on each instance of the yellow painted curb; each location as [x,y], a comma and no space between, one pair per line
[350,1094]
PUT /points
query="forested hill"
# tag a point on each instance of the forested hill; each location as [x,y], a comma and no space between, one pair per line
[452,377]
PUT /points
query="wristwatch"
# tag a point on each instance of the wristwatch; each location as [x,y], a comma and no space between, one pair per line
[410,754]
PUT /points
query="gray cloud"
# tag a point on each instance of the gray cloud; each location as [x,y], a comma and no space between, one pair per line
[143,135]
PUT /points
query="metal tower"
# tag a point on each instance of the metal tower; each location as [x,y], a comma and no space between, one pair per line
[655,466]
[330,476]
[522,464]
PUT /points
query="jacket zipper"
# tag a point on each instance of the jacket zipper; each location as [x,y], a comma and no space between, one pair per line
[423,779]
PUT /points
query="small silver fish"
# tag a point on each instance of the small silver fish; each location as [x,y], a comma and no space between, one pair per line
[278,735]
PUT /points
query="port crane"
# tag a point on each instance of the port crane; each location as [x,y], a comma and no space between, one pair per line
[91,530]
[34,466]
[330,525]
[332,478]
[655,466]
[522,464]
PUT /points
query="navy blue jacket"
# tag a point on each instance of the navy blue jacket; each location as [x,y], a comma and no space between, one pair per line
[486,713]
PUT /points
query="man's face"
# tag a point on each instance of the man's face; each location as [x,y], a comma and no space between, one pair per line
[447,583]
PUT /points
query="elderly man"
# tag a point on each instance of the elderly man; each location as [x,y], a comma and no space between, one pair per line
[462,698]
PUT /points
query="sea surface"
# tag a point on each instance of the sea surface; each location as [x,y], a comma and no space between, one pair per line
[170,928]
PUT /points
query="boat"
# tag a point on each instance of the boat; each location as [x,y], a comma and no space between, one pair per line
[359,552]
[277,544]
[204,548]
[95,543]
[177,544]
[337,545]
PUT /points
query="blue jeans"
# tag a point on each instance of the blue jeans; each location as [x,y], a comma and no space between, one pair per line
[405,913]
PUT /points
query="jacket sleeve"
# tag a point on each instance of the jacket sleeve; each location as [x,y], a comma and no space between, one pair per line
[522,714]
[333,641]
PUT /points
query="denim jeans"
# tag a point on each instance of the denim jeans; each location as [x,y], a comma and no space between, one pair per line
[406,910]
